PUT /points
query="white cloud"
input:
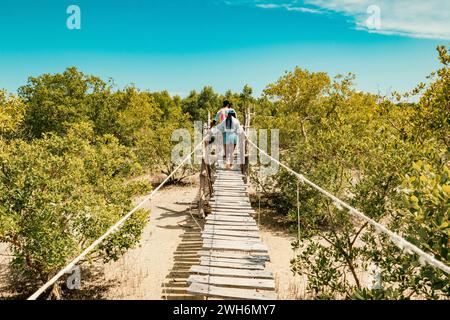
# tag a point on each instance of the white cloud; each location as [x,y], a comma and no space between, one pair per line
[411,18]
[288,7]
[303,9]
[269,5]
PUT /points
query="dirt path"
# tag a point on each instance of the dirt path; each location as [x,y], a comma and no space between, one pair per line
[141,272]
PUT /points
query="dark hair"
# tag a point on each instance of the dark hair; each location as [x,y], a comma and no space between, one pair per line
[228,120]
[226,103]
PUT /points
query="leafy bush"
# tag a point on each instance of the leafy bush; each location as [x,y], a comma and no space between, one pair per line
[58,194]
[366,150]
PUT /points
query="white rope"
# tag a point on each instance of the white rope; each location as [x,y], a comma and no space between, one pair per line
[395,238]
[111,230]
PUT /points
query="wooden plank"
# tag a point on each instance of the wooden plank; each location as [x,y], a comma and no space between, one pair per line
[236,241]
[208,263]
[230,198]
[230,207]
[234,214]
[228,211]
[234,246]
[225,200]
[267,284]
[239,273]
[245,234]
[230,202]
[229,193]
[233,260]
[230,255]
[230,183]
[212,227]
[216,236]
[221,292]
[231,223]
[236,203]
[217,217]
[231,187]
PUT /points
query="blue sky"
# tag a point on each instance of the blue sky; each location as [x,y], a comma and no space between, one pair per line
[181,45]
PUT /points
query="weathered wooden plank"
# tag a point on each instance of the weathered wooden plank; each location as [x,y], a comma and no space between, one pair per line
[230,207]
[234,246]
[231,255]
[219,217]
[212,227]
[236,241]
[233,260]
[220,264]
[224,198]
[230,192]
[232,213]
[267,284]
[216,236]
[215,291]
[216,271]
[230,223]
[230,186]
[245,234]
[230,203]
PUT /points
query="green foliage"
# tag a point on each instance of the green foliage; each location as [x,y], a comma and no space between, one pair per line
[59,99]
[198,104]
[11,115]
[426,216]
[58,194]
[364,149]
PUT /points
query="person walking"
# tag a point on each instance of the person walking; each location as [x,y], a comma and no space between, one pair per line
[219,118]
[221,114]
[230,128]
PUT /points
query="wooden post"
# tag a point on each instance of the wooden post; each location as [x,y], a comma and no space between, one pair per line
[201,196]
[245,166]
[206,188]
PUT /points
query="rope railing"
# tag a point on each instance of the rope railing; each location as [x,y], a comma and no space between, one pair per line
[112,229]
[399,241]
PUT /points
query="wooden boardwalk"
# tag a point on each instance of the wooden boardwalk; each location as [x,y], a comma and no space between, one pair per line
[233,258]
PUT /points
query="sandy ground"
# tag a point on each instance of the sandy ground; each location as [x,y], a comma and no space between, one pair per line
[141,273]
[288,285]
[5,258]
